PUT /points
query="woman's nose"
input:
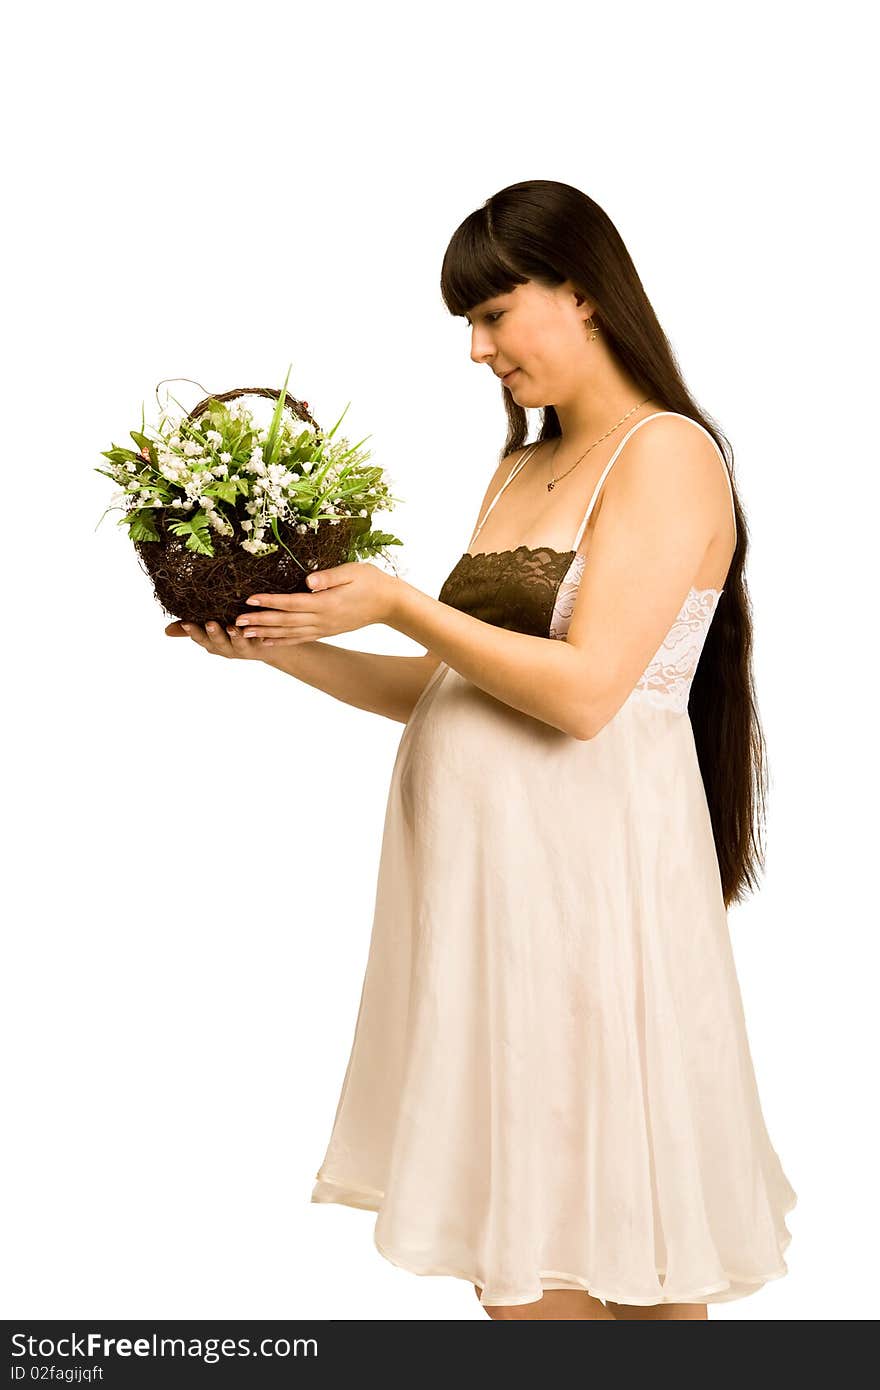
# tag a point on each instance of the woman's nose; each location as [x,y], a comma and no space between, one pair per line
[480,349]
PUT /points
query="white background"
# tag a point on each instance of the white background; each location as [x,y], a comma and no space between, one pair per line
[215,192]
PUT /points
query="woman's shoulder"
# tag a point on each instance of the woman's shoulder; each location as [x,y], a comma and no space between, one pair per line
[674,465]
[665,451]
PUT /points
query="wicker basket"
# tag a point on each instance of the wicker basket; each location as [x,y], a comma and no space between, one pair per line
[213,588]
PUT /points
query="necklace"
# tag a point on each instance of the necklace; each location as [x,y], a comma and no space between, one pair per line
[551,485]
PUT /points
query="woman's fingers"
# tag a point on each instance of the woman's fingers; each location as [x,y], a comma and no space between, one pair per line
[218,639]
[287,603]
[250,634]
[210,636]
[241,647]
[197,633]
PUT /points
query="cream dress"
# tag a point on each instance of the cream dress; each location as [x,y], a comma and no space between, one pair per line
[550,1083]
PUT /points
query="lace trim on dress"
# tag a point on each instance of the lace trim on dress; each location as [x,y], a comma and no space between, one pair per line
[565,597]
[510,588]
[666,681]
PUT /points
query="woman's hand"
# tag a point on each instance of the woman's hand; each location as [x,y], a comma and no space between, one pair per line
[219,641]
[340,599]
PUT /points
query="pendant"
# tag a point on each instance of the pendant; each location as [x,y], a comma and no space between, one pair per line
[551,486]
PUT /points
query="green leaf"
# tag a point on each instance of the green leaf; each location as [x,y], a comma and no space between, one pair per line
[197,532]
[145,443]
[140,524]
[372,542]
[272,437]
[200,543]
[117,455]
[224,488]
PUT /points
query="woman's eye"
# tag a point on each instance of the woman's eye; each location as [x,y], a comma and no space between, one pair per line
[493,317]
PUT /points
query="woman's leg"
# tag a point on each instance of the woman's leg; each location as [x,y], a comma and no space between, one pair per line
[567,1304]
[659,1312]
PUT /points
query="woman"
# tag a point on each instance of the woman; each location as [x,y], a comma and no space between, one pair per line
[550,1092]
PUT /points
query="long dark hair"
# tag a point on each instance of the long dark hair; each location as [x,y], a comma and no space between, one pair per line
[549,232]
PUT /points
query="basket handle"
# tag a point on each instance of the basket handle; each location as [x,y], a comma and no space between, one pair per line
[299,408]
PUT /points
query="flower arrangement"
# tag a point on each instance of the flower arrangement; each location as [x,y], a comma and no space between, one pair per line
[218,507]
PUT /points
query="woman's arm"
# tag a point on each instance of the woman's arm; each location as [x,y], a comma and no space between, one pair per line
[664,502]
[542,678]
[387,685]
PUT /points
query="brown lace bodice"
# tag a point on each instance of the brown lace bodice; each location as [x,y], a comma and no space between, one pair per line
[514,589]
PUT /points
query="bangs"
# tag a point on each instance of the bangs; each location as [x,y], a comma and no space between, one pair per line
[475,267]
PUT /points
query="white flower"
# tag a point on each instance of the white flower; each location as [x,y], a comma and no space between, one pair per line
[191,448]
[218,523]
[362,512]
[214,436]
[225,458]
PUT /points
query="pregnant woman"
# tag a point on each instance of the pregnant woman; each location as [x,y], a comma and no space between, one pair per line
[550,1092]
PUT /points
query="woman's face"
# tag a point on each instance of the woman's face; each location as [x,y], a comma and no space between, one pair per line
[536,333]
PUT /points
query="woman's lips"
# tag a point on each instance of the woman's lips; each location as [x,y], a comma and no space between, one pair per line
[508,375]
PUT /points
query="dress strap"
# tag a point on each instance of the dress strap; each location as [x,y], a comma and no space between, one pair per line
[607,469]
[509,479]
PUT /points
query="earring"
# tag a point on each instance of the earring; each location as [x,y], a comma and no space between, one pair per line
[592,329]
